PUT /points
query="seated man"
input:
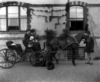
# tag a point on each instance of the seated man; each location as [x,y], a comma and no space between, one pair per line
[31,41]
[26,38]
[34,43]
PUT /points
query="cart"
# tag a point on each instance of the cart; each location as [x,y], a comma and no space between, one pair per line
[14,54]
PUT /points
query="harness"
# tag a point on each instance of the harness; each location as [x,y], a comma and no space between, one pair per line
[69,42]
[75,40]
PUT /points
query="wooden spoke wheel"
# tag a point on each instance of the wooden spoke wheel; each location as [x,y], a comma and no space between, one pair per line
[42,60]
[37,59]
[33,59]
[18,59]
[7,58]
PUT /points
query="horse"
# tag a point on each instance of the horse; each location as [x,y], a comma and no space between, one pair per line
[52,48]
[71,44]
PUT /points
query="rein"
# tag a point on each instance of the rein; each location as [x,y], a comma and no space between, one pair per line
[75,40]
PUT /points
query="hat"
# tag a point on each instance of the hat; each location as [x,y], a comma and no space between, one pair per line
[88,32]
[33,30]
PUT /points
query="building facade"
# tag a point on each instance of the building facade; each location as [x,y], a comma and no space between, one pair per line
[17,16]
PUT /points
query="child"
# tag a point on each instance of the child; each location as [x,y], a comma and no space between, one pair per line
[89,48]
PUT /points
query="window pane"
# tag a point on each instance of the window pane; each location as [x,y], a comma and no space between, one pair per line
[23,24]
[13,22]
[23,18]
[3,12]
[79,12]
[3,25]
[23,12]
[76,12]
[13,12]
[73,12]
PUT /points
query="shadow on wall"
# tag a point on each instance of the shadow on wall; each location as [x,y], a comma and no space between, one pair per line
[96,53]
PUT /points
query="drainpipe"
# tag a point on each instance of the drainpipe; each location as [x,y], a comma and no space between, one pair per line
[68,15]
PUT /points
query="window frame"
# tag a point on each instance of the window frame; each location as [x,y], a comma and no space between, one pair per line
[19,19]
[71,19]
[76,12]
[13,18]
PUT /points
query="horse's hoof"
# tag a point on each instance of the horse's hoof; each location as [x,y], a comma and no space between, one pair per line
[90,63]
[87,63]
[74,64]
[57,62]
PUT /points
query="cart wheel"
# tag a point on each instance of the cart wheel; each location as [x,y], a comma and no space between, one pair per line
[7,58]
[18,58]
[42,60]
[33,59]
[37,60]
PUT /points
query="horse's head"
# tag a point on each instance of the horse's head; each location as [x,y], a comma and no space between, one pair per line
[80,36]
[86,34]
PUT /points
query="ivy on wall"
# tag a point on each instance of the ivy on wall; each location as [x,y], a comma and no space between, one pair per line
[50,10]
[31,11]
[29,17]
[13,3]
[50,17]
[24,5]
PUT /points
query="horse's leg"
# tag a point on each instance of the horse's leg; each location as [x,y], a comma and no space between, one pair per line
[73,57]
[53,55]
[75,52]
[72,53]
[73,60]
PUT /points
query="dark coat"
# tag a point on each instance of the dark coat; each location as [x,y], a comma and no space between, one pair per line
[26,39]
[89,48]
[36,46]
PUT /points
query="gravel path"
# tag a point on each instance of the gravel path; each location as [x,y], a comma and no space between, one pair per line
[63,72]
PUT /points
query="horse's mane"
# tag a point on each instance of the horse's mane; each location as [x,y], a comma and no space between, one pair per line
[79,37]
[50,34]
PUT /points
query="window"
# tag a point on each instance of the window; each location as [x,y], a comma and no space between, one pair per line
[3,19]
[23,18]
[76,18]
[13,18]
[76,12]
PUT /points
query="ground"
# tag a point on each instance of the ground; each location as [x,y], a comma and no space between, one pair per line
[63,72]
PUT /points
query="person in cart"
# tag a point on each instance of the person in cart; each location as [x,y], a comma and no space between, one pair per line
[35,41]
[26,38]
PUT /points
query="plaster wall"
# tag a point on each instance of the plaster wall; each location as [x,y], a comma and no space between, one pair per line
[40,23]
[53,1]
